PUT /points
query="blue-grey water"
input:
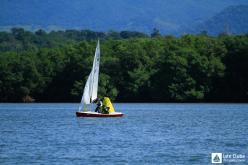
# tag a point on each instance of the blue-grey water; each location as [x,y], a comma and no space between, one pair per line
[148,134]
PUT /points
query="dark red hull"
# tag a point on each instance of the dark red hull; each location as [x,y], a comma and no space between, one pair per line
[85,114]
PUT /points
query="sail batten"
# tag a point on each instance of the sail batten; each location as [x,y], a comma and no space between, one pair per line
[91,86]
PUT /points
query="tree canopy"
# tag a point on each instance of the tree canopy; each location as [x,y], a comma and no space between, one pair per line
[53,67]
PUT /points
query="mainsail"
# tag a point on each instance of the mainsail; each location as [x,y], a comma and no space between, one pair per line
[91,86]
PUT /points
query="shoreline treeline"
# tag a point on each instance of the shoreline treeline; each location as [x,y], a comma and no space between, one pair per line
[135,67]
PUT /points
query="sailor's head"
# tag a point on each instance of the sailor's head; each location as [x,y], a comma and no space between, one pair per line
[96,100]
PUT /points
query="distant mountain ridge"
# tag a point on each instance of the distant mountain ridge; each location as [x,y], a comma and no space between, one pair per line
[232,20]
[169,16]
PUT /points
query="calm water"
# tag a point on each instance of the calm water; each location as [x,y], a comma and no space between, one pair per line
[148,134]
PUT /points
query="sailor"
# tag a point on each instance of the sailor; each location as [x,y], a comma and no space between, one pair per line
[98,102]
[105,109]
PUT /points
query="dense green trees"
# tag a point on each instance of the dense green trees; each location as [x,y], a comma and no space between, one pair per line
[53,67]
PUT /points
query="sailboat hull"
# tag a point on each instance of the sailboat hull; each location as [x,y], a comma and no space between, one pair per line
[95,114]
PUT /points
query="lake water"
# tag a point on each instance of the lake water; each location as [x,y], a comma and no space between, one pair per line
[148,134]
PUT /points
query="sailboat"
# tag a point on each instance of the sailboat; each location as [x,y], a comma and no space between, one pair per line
[90,93]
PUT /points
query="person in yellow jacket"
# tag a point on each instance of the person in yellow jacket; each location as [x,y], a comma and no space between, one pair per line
[107,103]
[104,106]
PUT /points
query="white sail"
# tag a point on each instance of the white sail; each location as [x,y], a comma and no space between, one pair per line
[87,91]
[95,72]
[91,86]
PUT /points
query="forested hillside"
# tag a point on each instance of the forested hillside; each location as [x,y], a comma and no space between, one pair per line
[232,20]
[169,16]
[53,67]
